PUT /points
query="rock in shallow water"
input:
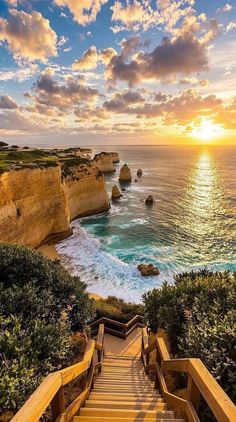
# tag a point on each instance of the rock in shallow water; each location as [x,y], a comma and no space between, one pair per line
[116,194]
[149,200]
[139,172]
[148,270]
[125,174]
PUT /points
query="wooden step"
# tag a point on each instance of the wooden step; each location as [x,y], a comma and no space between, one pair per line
[137,405]
[126,397]
[114,419]
[124,383]
[153,393]
[124,413]
[122,357]
[113,389]
[122,364]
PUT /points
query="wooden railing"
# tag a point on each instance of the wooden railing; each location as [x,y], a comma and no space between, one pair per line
[200,383]
[119,328]
[51,390]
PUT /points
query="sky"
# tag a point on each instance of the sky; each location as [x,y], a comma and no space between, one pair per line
[117,72]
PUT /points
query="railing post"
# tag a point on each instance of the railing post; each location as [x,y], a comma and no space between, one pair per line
[147,362]
[58,404]
[99,354]
[193,394]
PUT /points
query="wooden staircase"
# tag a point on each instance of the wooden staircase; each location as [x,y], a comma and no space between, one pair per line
[129,387]
[123,392]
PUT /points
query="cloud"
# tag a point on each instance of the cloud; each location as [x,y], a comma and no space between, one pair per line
[226,8]
[28,35]
[7,102]
[90,113]
[231,26]
[88,60]
[92,57]
[84,11]
[15,121]
[182,55]
[62,40]
[121,102]
[141,14]
[19,74]
[50,96]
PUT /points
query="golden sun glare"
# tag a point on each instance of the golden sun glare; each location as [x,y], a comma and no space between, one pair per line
[206,131]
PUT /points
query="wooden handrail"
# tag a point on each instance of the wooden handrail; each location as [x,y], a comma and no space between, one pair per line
[51,390]
[200,382]
[122,330]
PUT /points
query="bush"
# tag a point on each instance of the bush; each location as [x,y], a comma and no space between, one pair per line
[117,309]
[198,313]
[41,305]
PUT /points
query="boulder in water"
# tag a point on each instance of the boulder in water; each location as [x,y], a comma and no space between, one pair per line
[139,172]
[149,200]
[116,194]
[148,270]
[125,174]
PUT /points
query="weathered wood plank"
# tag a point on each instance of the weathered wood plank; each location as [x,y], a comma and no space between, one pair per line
[35,406]
[178,365]
[218,401]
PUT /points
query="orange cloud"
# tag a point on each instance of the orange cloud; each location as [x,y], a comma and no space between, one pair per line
[84,11]
[28,35]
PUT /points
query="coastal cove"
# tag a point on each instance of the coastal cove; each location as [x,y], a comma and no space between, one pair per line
[190,226]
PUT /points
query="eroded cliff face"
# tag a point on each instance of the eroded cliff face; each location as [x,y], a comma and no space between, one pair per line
[38,204]
[104,163]
[86,191]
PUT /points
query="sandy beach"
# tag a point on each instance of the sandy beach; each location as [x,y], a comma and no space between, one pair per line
[49,251]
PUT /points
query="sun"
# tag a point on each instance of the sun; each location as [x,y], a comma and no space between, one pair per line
[207,130]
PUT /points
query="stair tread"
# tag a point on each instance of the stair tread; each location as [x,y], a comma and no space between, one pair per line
[124,412]
[115,419]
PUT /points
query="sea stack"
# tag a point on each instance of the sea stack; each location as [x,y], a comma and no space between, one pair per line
[149,200]
[139,172]
[125,174]
[116,194]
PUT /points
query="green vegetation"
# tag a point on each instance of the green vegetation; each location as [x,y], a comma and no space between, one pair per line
[199,314]
[13,157]
[117,309]
[41,306]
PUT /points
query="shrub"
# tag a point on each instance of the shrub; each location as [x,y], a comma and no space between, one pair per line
[198,313]
[41,305]
[117,309]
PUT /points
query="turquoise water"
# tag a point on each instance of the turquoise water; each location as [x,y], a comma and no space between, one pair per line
[191,225]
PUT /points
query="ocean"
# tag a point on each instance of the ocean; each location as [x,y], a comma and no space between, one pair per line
[191,225]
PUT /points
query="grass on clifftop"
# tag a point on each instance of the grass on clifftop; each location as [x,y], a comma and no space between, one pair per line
[38,157]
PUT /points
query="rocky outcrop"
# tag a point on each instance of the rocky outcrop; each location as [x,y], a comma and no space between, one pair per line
[139,172]
[149,200]
[125,174]
[86,191]
[103,162]
[148,270]
[116,194]
[37,205]
[114,156]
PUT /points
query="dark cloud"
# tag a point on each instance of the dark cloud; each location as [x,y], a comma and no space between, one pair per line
[7,102]
[50,94]
[121,101]
[182,55]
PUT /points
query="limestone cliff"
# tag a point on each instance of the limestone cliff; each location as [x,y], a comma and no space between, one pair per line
[86,191]
[104,163]
[38,204]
